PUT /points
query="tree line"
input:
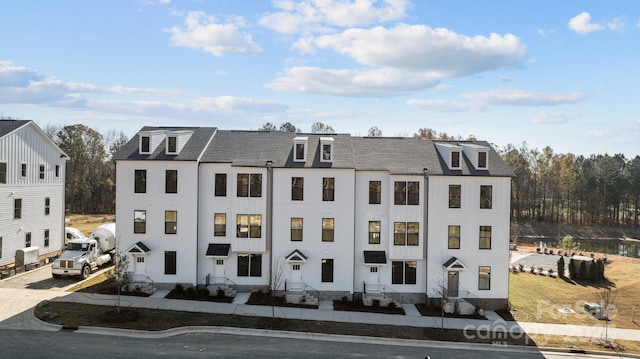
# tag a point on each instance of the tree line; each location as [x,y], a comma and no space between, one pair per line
[598,190]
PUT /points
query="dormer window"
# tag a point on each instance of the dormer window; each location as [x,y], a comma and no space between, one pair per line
[145,144]
[172,145]
[455,159]
[326,145]
[482,160]
[300,149]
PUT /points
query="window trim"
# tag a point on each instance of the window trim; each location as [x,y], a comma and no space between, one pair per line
[372,234]
[456,156]
[328,231]
[485,160]
[486,196]
[27,240]
[405,238]
[169,148]
[167,223]
[141,227]
[170,262]
[3,172]
[297,188]
[486,279]
[297,234]
[23,170]
[46,237]
[323,152]
[140,183]
[408,278]
[168,181]
[455,199]
[145,141]
[17,208]
[452,236]
[485,238]
[220,183]
[216,225]
[47,206]
[253,265]
[327,270]
[41,171]
[328,189]
[375,190]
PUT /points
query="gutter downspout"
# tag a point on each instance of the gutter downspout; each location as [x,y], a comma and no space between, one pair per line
[269,221]
[426,232]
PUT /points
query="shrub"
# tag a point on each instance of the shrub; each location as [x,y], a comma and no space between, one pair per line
[202,293]
[532,269]
[345,299]
[220,292]
[540,269]
[559,252]
[392,304]
[179,289]
[538,249]
[190,292]
[568,243]
[546,251]
[375,303]
[550,251]
[561,267]
[521,267]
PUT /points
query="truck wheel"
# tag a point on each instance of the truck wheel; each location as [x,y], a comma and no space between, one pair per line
[86,271]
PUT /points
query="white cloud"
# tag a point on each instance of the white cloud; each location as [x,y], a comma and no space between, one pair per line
[581,24]
[617,24]
[320,16]
[523,98]
[381,82]
[444,105]
[553,117]
[243,104]
[204,32]
[419,48]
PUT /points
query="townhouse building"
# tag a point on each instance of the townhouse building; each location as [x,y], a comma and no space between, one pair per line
[32,180]
[331,213]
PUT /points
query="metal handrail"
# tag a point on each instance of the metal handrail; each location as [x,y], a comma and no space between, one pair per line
[385,290]
[213,280]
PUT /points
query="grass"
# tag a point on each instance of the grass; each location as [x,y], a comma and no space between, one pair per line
[86,223]
[537,298]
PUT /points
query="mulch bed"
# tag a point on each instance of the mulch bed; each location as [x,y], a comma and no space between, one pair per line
[432,311]
[358,306]
[193,294]
[264,298]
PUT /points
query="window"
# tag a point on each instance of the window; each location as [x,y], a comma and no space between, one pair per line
[249,265]
[57,170]
[375,192]
[327,270]
[24,170]
[46,238]
[486,197]
[145,144]
[140,185]
[170,262]
[485,237]
[41,172]
[17,208]
[3,172]
[0,247]
[170,222]
[374,232]
[255,226]
[327,152]
[406,233]
[248,226]
[301,152]
[242,226]
[172,144]
[484,278]
[221,184]
[455,159]
[482,159]
[403,272]
[219,262]
[455,192]
[220,224]
[27,239]
[454,237]
[327,229]
[249,185]
[297,188]
[296,229]
[139,221]
[406,193]
[373,270]
[171,181]
[47,206]
[295,267]
[328,188]
[139,259]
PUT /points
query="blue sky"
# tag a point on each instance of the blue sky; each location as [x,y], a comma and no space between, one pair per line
[558,73]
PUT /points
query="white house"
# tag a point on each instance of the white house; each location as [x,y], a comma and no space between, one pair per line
[327,213]
[32,179]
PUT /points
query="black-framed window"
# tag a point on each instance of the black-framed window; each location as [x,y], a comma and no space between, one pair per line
[249,185]
[170,262]
[23,170]
[249,265]
[171,181]
[170,222]
[482,159]
[221,184]
[455,159]
[242,226]
[248,225]
[47,206]
[328,225]
[140,178]
[455,193]
[327,270]
[145,144]
[485,237]
[327,152]
[375,192]
[328,188]
[242,185]
[46,238]
[17,208]
[172,144]
[27,239]
[300,154]
[57,170]
[139,221]
[406,233]
[486,197]
[454,237]
[297,188]
[3,172]
[255,186]
[374,232]
[403,272]
[255,225]
[484,278]
[41,176]
[0,247]
[296,229]
[220,224]
[406,193]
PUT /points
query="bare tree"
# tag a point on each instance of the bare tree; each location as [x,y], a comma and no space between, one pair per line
[319,127]
[122,275]
[277,278]
[608,300]
[375,132]
[268,127]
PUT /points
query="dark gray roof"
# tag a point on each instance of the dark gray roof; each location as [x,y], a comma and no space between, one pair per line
[218,249]
[496,166]
[375,257]
[396,155]
[255,148]
[191,151]
[296,255]
[8,126]
[139,247]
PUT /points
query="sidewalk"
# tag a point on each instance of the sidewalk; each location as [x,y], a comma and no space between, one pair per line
[325,312]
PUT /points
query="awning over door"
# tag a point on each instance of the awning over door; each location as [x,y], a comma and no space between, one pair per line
[138,248]
[296,257]
[375,257]
[219,250]
[454,264]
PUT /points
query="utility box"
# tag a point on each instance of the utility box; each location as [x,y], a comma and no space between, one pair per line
[26,256]
[595,309]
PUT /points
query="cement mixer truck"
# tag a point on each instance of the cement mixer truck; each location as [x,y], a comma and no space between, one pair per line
[82,256]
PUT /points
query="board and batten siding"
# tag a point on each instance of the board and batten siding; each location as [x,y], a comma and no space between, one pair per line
[29,145]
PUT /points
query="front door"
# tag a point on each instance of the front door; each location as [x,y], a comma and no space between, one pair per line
[218,268]
[139,265]
[453,284]
[296,273]
[374,278]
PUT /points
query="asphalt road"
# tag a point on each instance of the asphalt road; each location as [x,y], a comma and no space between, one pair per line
[40,278]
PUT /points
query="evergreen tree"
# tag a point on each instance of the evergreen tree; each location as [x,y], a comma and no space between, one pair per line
[561,267]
